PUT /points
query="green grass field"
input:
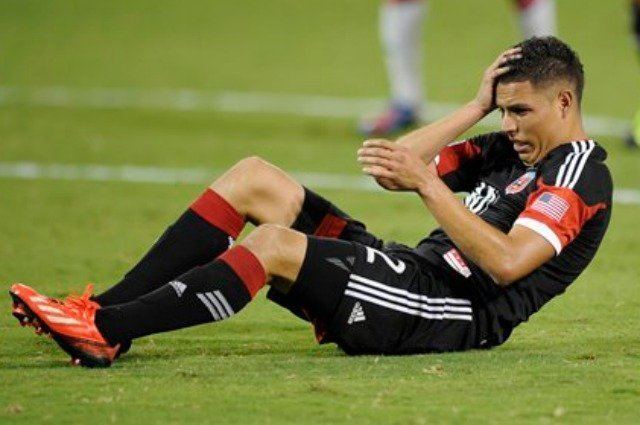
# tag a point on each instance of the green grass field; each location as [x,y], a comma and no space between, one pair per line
[577,361]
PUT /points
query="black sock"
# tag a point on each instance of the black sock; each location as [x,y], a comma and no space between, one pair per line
[202,233]
[212,292]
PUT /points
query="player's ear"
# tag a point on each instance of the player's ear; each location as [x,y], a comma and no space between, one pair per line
[565,101]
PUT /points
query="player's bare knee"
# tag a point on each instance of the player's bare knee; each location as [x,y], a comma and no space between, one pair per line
[252,164]
[264,241]
[242,170]
[261,191]
[279,249]
[292,204]
[240,183]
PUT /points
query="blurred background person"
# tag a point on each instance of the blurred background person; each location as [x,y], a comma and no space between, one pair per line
[400,25]
[634,137]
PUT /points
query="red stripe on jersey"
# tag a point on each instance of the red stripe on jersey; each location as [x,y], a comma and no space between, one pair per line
[567,225]
[453,156]
[331,226]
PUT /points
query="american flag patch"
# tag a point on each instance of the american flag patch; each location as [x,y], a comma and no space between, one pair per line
[553,206]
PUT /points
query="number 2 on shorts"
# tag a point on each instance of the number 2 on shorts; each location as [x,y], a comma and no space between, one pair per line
[398,268]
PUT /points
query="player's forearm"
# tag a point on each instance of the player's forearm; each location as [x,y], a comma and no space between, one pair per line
[485,245]
[430,139]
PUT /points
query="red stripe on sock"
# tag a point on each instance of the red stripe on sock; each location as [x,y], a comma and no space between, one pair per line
[247,267]
[217,211]
[331,226]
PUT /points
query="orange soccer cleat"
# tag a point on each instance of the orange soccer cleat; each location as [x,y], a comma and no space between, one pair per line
[71,323]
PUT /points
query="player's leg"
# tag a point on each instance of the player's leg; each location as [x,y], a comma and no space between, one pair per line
[342,283]
[279,249]
[251,190]
[210,292]
[320,217]
[386,301]
[400,23]
[537,17]
[259,192]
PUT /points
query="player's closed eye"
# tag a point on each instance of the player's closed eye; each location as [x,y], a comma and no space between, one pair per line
[518,111]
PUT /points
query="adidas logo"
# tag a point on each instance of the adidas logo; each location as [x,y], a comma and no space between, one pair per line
[357,314]
[179,287]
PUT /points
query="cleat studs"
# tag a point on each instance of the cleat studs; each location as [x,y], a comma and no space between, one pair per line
[24,321]
[39,330]
[75,362]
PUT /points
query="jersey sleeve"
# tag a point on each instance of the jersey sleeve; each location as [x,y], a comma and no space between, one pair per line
[459,164]
[563,202]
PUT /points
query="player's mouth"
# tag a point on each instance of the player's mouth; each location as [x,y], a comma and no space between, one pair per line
[522,148]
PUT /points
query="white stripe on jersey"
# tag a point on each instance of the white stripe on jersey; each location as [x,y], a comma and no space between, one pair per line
[574,163]
[590,146]
[567,166]
[543,230]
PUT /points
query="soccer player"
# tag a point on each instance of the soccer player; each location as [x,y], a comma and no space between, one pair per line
[539,206]
[401,23]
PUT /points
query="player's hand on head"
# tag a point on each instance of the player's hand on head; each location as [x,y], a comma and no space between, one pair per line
[486,93]
[393,166]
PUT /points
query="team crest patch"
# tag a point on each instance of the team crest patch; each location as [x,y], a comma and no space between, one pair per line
[454,259]
[520,183]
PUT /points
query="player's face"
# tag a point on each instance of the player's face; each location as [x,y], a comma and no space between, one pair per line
[530,118]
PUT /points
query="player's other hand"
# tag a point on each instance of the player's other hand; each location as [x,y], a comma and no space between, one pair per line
[393,166]
[486,96]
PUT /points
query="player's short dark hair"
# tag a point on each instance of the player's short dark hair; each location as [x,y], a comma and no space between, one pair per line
[546,60]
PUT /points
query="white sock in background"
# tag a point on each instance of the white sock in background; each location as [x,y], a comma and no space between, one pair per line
[401,25]
[537,17]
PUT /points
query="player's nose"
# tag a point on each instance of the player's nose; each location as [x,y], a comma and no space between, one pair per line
[508,124]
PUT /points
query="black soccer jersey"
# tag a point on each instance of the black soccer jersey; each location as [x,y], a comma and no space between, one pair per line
[566,198]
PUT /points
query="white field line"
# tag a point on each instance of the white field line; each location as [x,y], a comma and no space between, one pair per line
[245,102]
[201,176]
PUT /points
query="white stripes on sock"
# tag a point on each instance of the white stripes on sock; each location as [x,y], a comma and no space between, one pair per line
[217,305]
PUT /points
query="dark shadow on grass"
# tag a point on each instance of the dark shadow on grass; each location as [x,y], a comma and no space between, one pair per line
[170,348]
[37,364]
[223,348]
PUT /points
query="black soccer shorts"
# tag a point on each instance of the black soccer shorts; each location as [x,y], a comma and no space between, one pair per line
[369,298]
